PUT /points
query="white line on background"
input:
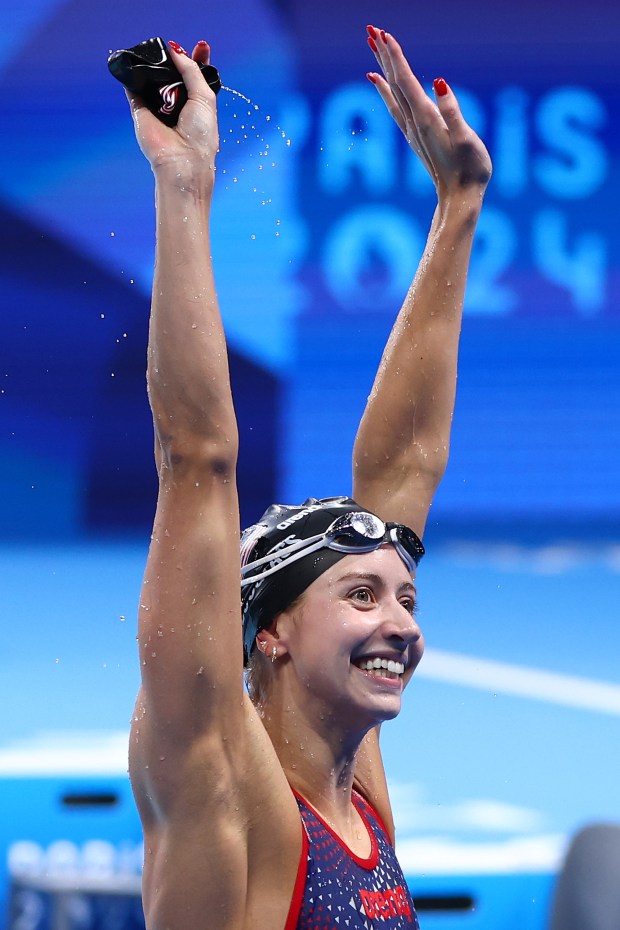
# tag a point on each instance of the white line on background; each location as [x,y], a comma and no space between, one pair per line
[520,680]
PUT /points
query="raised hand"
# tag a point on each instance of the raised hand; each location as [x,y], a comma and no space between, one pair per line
[452,153]
[190,147]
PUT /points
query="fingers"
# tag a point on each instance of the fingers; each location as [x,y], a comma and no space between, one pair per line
[395,110]
[378,42]
[407,89]
[188,68]
[395,66]
[391,55]
[449,108]
[388,98]
[418,110]
[138,109]
[202,52]
[435,129]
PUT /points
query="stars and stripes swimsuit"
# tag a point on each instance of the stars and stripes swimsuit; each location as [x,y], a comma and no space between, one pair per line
[337,890]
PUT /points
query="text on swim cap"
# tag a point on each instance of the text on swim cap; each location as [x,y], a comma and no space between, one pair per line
[298,516]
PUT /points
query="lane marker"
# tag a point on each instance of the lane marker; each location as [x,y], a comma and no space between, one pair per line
[67,753]
[521,681]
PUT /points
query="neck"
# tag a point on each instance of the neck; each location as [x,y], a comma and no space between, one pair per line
[318,758]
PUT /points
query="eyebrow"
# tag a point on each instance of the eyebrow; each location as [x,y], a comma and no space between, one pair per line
[407,586]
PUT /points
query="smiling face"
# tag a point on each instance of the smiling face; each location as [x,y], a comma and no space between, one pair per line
[353,643]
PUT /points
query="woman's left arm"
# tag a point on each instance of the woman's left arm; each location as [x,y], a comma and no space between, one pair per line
[401,448]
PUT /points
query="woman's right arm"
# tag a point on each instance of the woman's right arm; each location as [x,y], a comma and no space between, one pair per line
[197,743]
[189,616]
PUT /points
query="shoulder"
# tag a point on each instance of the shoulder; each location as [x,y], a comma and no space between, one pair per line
[232,826]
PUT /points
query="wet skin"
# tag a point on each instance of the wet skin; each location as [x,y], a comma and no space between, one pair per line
[359,610]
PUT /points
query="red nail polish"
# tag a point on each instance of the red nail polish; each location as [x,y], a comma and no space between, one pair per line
[440,87]
[383,36]
[372,44]
[371,78]
[177,48]
[371,31]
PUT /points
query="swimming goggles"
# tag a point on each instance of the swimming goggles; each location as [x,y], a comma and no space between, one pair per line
[351,533]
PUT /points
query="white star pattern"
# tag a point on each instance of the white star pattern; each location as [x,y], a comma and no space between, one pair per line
[369,894]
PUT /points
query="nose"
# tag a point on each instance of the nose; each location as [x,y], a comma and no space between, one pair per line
[401,632]
[400,627]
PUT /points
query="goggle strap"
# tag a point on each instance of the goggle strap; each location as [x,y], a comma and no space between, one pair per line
[327,538]
[285,560]
[402,551]
[284,553]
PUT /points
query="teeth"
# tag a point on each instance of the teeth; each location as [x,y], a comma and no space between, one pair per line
[388,664]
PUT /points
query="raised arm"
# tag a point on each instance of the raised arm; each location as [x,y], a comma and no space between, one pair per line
[401,448]
[189,617]
[197,743]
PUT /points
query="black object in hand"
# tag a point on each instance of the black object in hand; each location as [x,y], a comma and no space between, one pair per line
[147,69]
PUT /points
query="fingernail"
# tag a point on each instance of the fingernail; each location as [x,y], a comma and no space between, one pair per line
[177,48]
[372,44]
[371,31]
[384,36]
[371,78]
[440,87]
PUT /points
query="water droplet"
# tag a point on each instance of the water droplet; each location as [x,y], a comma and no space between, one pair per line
[237,93]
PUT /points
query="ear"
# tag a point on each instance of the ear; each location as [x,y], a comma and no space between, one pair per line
[273,638]
[262,642]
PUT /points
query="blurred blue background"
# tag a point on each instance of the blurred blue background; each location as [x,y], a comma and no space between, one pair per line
[510,739]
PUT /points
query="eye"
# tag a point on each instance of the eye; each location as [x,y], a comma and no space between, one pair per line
[410,605]
[362,595]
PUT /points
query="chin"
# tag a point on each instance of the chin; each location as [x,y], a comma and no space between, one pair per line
[391,715]
[387,710]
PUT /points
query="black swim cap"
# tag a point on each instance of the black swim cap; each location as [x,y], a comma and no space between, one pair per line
[282,529]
